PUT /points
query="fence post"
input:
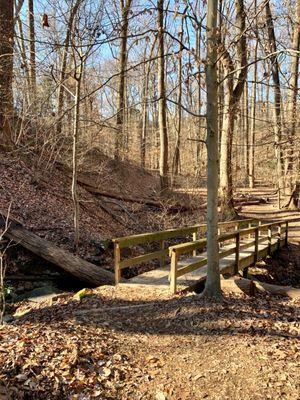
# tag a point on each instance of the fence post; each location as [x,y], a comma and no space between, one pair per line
[286,232]
[194,239]
[162,258]
[279,237]
[256,245]
[173,272]
[237,253]
[249,226]
[117,254]
[269,240]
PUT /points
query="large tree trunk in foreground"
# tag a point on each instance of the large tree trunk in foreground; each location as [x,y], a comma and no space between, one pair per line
[212,285]
[6,70]
[162,104]
[79,268]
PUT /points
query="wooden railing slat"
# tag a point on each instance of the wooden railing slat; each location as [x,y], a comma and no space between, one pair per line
[143,258]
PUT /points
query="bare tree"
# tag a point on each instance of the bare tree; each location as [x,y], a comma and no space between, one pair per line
[277,98]
[162,104]
[125,9]
[61,89]
[3,249]
[212,285]
[32,63]
[291,170]
[6,70]
[253,109]
[233,92]
[176,157]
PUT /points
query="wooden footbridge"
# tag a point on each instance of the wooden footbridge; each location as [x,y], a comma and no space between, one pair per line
[183,263]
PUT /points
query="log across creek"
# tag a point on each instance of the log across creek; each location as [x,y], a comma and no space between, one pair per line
[79,268]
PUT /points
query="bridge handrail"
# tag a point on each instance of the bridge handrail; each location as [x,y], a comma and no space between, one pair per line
[185,248]
[160,236]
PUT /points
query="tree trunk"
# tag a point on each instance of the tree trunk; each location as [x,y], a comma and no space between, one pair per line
[78,78]
[176,157]
[250,287]
[291,170]
[61,89]
[125,8]
[6,70]
[32,63]
[277,100]
[245,119]
[231,98]
[81,269]
[162,104]
[253,121]
[147,70]
[212,285]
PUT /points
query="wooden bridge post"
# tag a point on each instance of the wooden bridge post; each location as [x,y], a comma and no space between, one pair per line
[237,253]
[256,245]
[173,272]
[279,236]
[249,226]
[269,240]
[162,258]
[117,254]
[286,232]
[194,239]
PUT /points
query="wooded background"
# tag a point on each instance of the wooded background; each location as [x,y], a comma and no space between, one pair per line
[128,78]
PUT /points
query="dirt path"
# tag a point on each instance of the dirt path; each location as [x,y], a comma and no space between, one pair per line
[114,345]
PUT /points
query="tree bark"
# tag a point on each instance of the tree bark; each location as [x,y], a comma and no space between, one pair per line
[78,78]
[162,104]
[61,89]
[81,269]
[6,70]
[176,157]
[291,170]
[253,120]
[147,71]
[212,285]
[250,287]
[125,8]
[231,99]
[277,99]
[32,61]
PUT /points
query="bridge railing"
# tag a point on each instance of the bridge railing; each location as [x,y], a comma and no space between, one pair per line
[160,238]
[255,233]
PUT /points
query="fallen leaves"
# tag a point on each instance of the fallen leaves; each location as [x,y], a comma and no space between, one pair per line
[147,353]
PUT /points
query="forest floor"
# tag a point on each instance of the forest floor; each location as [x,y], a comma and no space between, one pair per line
[116,343]
[119,343]
[123,344]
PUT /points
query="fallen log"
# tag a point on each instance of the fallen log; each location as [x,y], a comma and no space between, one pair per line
[147,202]
[242,285]
[81,269]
